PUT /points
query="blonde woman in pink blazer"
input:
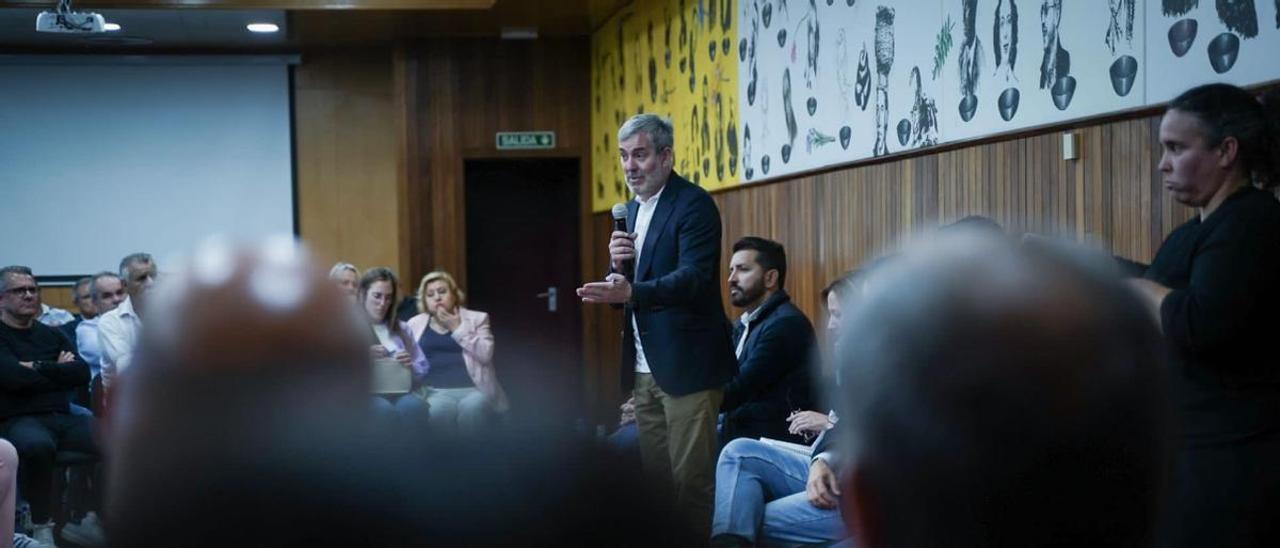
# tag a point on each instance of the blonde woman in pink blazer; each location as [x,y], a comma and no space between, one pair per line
[461,386]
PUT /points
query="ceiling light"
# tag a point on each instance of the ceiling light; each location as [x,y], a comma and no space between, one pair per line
[110,27]
[263,27]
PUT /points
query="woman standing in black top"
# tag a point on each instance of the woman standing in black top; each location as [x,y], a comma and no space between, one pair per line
[1214,288]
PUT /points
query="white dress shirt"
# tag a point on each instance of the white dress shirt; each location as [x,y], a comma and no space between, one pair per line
[746,319]
[54,317]
[87,344]
[643,216]
[117,333]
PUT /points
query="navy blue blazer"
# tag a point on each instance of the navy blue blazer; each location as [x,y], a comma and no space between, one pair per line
[675,295]
[774,373]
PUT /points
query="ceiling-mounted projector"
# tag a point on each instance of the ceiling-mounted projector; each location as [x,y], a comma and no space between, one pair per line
[72,22]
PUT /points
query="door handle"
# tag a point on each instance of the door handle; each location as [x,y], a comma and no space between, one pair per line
[550,296]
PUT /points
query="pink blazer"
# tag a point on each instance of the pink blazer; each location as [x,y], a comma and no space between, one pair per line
[476,341]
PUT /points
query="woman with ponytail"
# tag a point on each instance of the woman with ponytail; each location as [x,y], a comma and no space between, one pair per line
[1214,288]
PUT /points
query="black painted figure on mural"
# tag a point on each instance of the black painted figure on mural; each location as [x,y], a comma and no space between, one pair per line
[862,88]
[692,55]
[924,115]
[790,113]
[1057,61]
[622,50]
[731,140]
[1177,8]
[970,60]
[884,63]
[1121,27]
[811,53]
[1004,34]
[1240,16]
[754,79]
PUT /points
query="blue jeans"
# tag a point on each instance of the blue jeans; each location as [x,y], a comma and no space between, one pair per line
[407,411]
[760,496]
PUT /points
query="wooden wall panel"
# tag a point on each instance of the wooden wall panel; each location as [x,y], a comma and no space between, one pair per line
[349,158]
[460,93]
[59,297]
[833,221]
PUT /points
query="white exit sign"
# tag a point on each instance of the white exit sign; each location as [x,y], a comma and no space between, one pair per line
[525,140]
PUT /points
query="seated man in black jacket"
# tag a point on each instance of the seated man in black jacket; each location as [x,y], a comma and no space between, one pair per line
[39,370]
[774,343]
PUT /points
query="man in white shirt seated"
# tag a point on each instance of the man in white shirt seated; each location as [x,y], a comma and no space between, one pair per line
[118,329]
[79,296]
[106,291]
[54,317]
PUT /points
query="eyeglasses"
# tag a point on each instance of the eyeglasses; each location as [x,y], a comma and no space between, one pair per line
[30,290]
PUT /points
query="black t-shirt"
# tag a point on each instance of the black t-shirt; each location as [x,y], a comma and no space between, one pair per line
[1220,319]
[47,386]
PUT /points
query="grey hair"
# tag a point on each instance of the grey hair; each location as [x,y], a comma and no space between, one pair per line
[144,258]
[1010,381]
[13,270]
[659,129]
[93,286]
[339,268]
[75,290]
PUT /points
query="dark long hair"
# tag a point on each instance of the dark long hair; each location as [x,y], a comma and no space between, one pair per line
[1225,111]
[383,274]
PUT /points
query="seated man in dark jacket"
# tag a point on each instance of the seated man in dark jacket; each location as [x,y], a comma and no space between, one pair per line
[774,343]
[39,370]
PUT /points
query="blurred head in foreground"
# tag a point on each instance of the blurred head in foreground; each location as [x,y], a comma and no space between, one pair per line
[245,420]
[997,395]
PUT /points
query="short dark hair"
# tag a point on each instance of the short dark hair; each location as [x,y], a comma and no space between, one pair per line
[131,258]
[75,289]
[13,270]
[93,286]
[769,254]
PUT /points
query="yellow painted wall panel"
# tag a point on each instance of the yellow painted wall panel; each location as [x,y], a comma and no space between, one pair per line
[675,58]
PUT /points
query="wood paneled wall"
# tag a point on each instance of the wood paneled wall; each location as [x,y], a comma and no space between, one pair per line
[460,93]
[833,221]
[59,297]
[349,158]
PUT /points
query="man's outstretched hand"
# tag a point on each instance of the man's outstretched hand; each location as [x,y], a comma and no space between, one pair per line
[615,289]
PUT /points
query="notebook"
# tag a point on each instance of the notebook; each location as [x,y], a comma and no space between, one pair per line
[389,377]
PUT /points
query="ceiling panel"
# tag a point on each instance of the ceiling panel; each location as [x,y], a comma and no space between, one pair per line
[223,29]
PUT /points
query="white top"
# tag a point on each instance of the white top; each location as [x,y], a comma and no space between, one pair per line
[87,344]
[54,317]
[746,319]
[643,216]
[117,333]
[391,344]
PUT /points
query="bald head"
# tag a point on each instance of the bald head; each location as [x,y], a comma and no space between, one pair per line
[997,395]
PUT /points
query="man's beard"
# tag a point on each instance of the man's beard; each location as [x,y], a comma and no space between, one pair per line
[744,297]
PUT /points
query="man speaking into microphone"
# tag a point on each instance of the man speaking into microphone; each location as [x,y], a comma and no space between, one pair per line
[676,351]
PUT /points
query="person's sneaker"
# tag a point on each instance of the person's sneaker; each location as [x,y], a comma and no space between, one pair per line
[87,533]
[23,541]
[43,534]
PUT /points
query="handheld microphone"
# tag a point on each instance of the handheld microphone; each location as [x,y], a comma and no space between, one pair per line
[620,225]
